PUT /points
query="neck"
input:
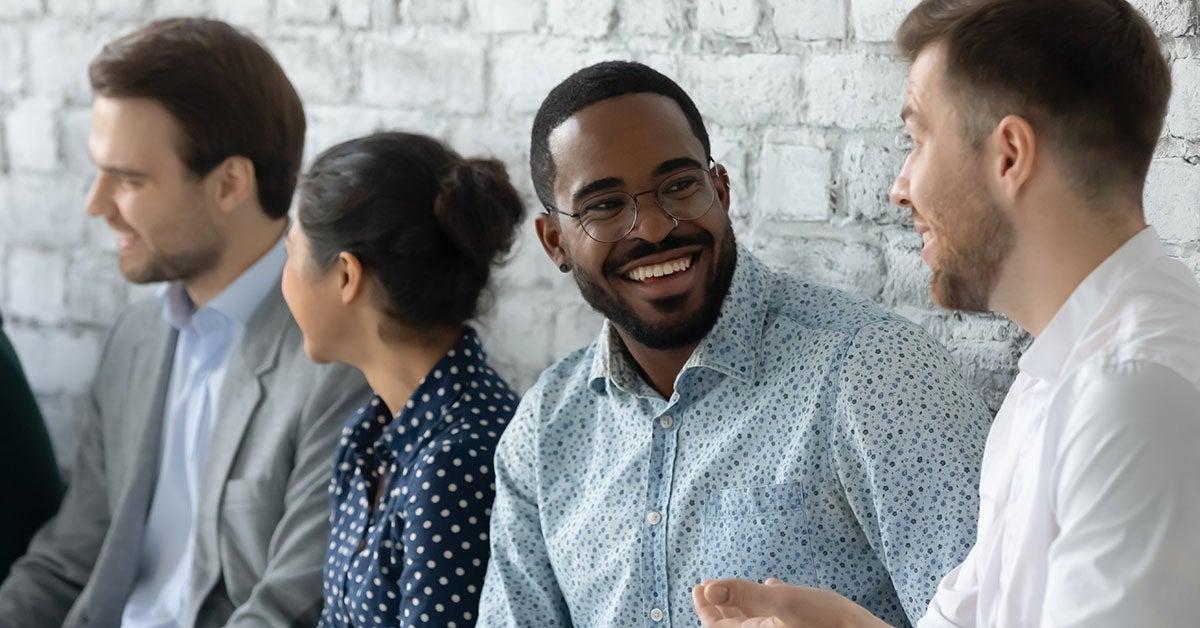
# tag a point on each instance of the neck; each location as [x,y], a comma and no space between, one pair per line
[394,369]
[659,367]
[243,247]
[1054,253]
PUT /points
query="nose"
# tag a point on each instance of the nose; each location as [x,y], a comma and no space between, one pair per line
[99,202]
[652,223]
[899,194]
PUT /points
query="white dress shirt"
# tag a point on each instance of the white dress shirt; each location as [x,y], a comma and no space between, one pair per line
[206,340]
[1090,489]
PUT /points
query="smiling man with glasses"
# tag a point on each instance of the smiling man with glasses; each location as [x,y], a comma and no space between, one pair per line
[721,401]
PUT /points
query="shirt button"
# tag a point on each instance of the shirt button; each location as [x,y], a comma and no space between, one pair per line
[653,518]
[656,614]
[666,421]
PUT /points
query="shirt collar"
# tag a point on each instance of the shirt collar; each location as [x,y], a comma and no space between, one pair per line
[1048,354]
[237,302]
[730,347]
[441,388]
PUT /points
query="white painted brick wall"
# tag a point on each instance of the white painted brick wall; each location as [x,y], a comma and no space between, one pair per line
[801,99]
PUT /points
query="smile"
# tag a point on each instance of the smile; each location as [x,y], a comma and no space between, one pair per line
[669,267]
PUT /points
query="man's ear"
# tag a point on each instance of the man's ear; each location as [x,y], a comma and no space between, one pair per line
[723,186]
[234,182]
[549,232]
[351,278]
[1011,156]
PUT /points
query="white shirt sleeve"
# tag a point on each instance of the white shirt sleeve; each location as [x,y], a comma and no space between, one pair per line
[954,605]
[1126,493]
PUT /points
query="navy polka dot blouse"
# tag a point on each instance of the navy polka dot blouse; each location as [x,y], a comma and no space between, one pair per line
[420,557]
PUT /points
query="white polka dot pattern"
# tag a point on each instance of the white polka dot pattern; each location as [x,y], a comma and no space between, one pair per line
[419,559]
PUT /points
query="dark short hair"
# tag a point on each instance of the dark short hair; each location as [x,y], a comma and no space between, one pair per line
[589,86]
[426,223]
[226,92]
[1087,74]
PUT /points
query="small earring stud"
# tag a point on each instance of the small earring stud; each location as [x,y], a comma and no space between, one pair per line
[562,268]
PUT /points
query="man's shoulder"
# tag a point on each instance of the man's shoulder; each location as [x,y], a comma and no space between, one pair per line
[826,308]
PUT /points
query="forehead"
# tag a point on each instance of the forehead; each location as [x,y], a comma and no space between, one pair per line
[624,137]
[925,95]
[131,131]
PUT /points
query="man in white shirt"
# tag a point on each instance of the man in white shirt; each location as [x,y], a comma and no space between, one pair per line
[1033,126]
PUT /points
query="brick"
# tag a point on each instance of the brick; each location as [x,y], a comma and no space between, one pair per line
[251,14]
[824,255]
[321,67]
[69,8]
[20,9]
[304,11]
[12,61]
[75,125]
[448,78]
[1172,188]
[57,360]
[354,13]
[581,18]
[174,8]
[528,267]
[42,209]
[793,183]
[121,9]
[865,175]
[812,20]
[434,11]
[731,18]
[520,356]
[523,72]
[854,90]
[37,285]
[745,90]
[32,135]
[908,277]
[58,58]
[506,16]
[877,20]
[1183,115]
[1170,18]
[95,291]
[651,18]
[576,325]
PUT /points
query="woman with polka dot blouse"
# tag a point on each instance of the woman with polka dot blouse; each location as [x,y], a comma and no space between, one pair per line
[394,244]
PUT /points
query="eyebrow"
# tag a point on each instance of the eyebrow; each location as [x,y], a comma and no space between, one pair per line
[609,183]
[124,172]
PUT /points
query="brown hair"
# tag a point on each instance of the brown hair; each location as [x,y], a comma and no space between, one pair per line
[228,94]
[1088,75]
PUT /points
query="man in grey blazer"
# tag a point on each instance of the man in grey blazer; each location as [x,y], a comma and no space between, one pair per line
[198,493]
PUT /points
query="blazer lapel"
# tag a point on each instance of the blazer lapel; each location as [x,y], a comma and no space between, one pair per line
[254,357]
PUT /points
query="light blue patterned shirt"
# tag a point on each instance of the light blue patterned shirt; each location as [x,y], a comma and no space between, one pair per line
[812,436]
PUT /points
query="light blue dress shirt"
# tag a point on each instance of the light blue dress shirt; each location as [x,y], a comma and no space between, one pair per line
[206,339]
[812,436]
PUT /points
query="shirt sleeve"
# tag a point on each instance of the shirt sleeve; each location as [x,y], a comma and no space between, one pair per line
[445,535]
[521,589]
[1126,501]
[907,444]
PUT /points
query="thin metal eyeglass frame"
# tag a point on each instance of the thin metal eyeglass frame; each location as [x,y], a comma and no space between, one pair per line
[710,171]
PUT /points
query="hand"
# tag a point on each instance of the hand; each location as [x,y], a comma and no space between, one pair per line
[742,604]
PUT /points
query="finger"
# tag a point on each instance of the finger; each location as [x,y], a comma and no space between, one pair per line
[750,599]
[707,611]
[772,582]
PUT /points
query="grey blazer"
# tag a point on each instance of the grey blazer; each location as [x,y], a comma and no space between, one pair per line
[263,519]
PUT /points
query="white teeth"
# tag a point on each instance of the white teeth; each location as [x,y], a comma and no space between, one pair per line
[641,273]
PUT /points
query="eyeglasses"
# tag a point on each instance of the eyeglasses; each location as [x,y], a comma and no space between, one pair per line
[610,216]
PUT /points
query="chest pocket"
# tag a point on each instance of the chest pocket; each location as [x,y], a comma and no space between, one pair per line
[757,533]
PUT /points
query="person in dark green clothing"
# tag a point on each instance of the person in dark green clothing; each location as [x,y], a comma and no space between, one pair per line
[30,485]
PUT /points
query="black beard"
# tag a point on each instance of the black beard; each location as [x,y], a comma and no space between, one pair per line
[676,335]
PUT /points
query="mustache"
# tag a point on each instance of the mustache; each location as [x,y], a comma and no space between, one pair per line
[641,248]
